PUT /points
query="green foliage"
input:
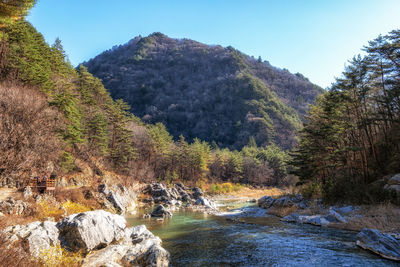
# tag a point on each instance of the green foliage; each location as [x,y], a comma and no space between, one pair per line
[98,133]
[67,162]
[209,92]
[350,140]
[121,147]
[162,140]
[12,10]
[69,106]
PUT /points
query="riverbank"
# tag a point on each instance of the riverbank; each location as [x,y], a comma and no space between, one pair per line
[187,205]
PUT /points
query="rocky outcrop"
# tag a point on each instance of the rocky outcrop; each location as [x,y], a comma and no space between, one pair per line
[91,230]
[15,207]
[297,201]
[161,212]
[139,247]
[101,233]
[385,245]
[117,198]
[38,236]
[27,193]
[319,220]
[393,183]
[202,201]
[174,196]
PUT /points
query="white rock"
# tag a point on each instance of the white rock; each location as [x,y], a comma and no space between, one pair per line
[39,236]
[90,230]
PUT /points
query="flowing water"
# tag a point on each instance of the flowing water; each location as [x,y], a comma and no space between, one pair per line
[197,239]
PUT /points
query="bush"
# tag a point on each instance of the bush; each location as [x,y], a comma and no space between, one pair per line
[67,162]
[57,256]
[73,207]
[224,188]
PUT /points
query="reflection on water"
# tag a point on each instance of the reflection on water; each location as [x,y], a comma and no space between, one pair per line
[197,239]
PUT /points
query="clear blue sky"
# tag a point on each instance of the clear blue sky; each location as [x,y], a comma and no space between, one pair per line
[313,37]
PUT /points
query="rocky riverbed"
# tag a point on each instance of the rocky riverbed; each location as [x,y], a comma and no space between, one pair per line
[199,230]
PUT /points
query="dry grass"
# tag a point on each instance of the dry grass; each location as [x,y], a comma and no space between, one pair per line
[58,256]
[258,193]
[82,195]
[385,218]
[282,212]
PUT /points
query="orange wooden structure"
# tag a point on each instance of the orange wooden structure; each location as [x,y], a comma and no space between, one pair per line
[43,185]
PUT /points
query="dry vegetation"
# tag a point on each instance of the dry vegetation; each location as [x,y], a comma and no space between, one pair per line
[385,217]
[27,132]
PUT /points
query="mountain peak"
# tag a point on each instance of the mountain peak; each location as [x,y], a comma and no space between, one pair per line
[206,91]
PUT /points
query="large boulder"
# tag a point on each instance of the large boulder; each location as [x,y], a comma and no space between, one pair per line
[39,236]
[158,190]
[118,198]
[335,217]
[393,183]
[91,230]
[385,245]
[318,220]
[138,248]
[202,201]
[265,202]
[197,192]
[161,211]
[394,180]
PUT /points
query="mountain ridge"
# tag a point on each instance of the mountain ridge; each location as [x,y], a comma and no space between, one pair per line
[206,91]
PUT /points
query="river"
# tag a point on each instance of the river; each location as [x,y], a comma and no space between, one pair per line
[198,239]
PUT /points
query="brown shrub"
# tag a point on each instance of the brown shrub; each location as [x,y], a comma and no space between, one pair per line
[385,218]
[27,132]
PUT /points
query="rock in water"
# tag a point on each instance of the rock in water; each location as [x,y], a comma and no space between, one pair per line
[265,202]
[161,211]
[205,202]
[90,230]
[382,244]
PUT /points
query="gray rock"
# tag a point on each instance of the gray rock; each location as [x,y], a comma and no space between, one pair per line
[346,209]
[39,236]
[394,187]
[292,218]
[27,192]
[394,180]
[161,211]
[265,202]
[15,207]
[382,244]
[138,248]
[197,192]
[91,230]
[205,202]
[118,198]
[333,216]
[317,220]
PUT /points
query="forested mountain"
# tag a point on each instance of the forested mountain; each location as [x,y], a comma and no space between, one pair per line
[55,118]
[209,92]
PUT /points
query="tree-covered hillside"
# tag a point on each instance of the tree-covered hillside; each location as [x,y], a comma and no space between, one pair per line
[209,92]
[351,139]
[58,119]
